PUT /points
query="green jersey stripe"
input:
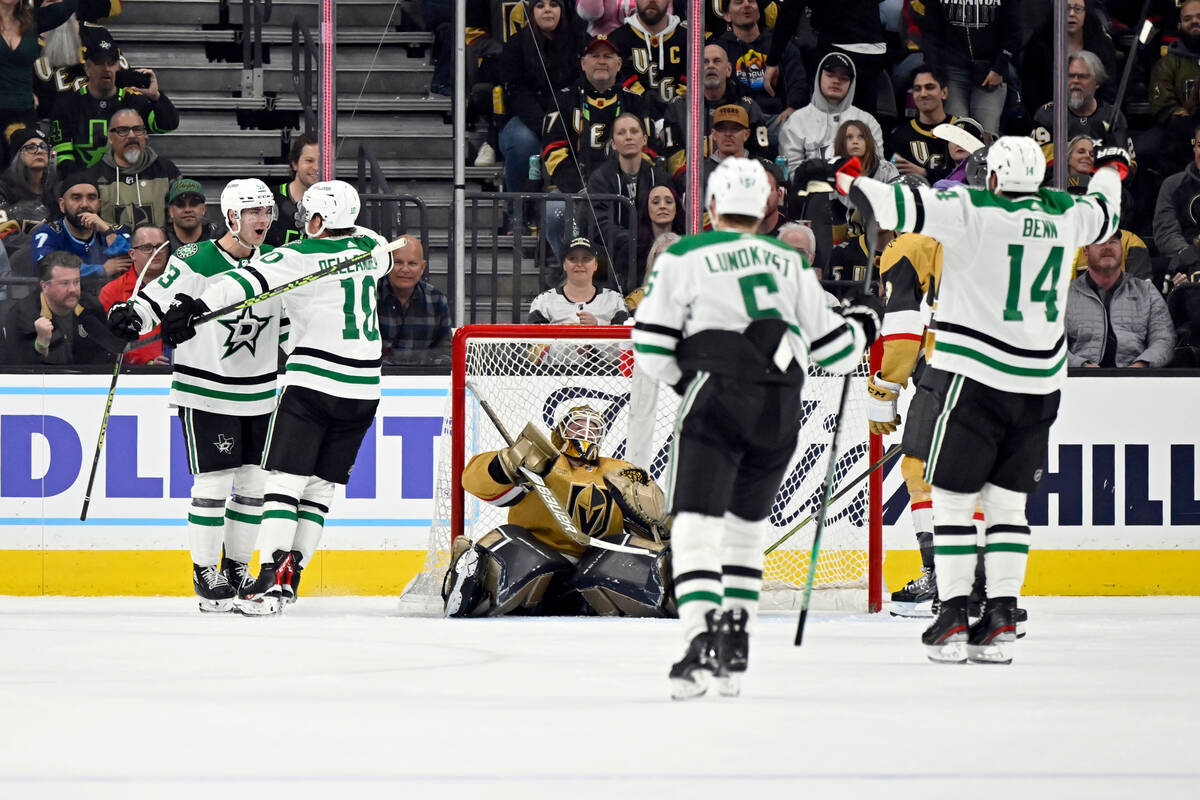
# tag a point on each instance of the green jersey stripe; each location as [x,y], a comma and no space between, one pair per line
[954,549]
[741,594]
[999,366]
[1007,547]
[653,349]
[245,284]
[238,516]
[334,376]
[279,513]
[211,522]
[312,517]
[219,395]
[711,597]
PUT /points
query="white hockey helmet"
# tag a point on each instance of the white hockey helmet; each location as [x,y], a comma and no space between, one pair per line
[238,195]
[1018,164]
[336,202]
[738,186]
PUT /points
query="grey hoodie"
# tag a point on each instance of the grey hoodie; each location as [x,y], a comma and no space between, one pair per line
[809,131]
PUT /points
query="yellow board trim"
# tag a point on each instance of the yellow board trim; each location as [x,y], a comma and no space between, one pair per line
[386,572]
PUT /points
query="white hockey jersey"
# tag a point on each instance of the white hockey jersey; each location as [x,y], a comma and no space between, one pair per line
[724,281]
[554,307]
[230,365]
[334,337]
[1006,271]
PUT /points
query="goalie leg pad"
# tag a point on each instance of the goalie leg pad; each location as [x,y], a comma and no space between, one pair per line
[623,584]
[514,570]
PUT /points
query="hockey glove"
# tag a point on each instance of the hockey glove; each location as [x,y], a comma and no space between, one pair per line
[867,309]
[179,323]
[1115,157]
[531,450]
[642,503]
[882,395]
[843,172]
[124,322]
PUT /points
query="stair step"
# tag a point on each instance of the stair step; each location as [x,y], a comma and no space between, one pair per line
[351,13]
[275,33]
[435,104]
[396,79]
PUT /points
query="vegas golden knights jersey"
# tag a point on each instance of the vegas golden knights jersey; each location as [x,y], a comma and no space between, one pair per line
[910,268]
[580,489]
[576,136]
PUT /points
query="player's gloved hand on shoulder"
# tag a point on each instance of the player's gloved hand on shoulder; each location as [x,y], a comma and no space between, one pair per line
[531,450]
[124,323]
[1115,157]
[179,323]
[867,309]
[882,396]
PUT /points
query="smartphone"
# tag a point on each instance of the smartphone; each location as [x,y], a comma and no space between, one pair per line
[133,78]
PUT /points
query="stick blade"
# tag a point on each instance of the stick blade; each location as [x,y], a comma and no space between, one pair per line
[800,626]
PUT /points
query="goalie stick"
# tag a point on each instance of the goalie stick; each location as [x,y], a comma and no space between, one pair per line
[546,495]
[872,235]
[282,288]
[112,390]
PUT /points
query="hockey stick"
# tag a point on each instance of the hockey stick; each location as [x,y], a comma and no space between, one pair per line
[546,495]
[112,390]
[282,288]
[842,492]
[872,234]
[1141,35]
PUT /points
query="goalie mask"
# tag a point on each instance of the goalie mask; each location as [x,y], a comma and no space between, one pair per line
[578,434]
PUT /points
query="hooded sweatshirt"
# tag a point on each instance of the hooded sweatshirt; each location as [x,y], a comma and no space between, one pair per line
[1172,81]
[809,131]
[136,194]
[658,61]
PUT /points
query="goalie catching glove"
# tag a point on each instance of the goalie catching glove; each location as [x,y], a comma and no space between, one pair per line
[641,502]
[531,450]
[881,405]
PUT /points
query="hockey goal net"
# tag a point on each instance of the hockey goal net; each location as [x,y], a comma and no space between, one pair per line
[537,372]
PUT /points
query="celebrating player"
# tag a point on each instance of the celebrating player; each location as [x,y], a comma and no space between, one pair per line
[530,565]
[224,387]
[330,385]
[731,320]
[999,360]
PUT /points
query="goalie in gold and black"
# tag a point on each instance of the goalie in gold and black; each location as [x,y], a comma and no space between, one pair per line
[529,565]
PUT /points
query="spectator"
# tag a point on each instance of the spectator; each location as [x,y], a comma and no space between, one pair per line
[1080,161]
[652,45]
[81,118]
[631,174]
[748,45]
[1088,117]
[810,131]
[853,138]
[1114,319]
[1135,258]
[304,156]
[719,90]
[149,254]
[414,317]
[801,238]
[578,301]
[604,16]
[960,144]
[21,23]
[60,324]
[1173,97]
[914,148]
[774,218]
[551,40]
[974,42]
[730,134]
[139,196]
[1176,225]
[27,193]
[658,214]
[186,208]
[1085,31]
[81,230]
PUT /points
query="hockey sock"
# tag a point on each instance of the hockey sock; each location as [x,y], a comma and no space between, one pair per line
[1007,541]
[696,564]
[243,512]
[920,508]
[741,565]
[953,542]
[314,507]
[281,498]
[206,516]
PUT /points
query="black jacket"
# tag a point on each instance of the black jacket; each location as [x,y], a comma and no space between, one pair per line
[527,95]
[80,337]
[613,217]
[574,146]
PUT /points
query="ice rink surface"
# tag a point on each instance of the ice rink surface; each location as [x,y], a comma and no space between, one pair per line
[344,699]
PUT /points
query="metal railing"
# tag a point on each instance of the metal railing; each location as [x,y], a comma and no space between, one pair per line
[254,14]
[302,79]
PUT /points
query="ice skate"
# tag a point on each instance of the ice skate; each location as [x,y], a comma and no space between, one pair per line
[291,588]
[911,600]
[265,596]
[700,665]
[237,573]
[946,639]
[989,638]
[733,651]
[213,589]
[1021,619]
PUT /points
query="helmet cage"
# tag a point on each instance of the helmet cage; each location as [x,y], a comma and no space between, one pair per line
[579,433]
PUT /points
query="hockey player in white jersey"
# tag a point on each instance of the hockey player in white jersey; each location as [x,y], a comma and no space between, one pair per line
[732,320]
[1000,356]
[224,387]
[330,387]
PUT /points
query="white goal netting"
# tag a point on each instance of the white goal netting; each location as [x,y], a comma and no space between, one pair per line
[526,376]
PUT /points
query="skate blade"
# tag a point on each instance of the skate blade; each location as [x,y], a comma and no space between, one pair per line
[900,608]
[694,685]
[464,568]
[947,653]
[262,606]
[1020,630]
[988,654]
[729,685]
[215,606]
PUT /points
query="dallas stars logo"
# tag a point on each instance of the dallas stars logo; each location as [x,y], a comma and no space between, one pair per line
[224,444]
[243,332]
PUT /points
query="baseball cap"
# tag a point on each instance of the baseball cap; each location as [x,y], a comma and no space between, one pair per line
[580,243]
[185,186]
[599,41]
[837,61]
[731,113]
[101,47]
